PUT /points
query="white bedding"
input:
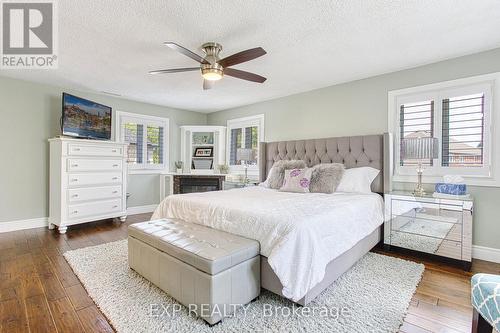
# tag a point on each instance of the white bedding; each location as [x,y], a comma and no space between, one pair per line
[299,233]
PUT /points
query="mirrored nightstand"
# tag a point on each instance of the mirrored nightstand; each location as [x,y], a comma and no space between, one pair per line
[441,227]
[228,185]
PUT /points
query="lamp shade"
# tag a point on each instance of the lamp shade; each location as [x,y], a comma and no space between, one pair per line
[244,154]
[419,148]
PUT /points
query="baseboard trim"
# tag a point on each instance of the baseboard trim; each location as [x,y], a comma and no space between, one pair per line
[24,224]
[44,221]
[141,209]
[486,253]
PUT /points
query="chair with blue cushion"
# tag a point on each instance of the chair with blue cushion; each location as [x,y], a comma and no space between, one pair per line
[486,302]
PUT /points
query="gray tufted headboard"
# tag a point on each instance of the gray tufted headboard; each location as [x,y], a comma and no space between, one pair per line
[352,151]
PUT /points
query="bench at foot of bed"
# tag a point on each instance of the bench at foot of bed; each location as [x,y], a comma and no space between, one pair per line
[209,271]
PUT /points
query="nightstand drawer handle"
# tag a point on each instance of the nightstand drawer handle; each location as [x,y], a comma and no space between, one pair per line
[115,165]
[74,179]
[75,212]
[114,192]
[115,206]
[75,195]
[76,149]
[115,178]
[74,165]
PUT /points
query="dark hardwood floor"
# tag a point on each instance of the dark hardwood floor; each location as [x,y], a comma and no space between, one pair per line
[40,293]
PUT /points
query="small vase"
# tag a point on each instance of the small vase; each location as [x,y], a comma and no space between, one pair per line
[179,170]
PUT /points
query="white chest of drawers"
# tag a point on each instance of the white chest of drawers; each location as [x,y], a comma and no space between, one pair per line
[88,181]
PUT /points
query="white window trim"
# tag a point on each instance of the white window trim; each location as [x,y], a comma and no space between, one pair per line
[488,177]
[257,120]
[144,168]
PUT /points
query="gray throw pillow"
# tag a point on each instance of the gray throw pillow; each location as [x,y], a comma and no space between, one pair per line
[277,173]
[326,177]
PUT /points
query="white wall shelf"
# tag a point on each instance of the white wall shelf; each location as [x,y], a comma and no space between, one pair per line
[195,137]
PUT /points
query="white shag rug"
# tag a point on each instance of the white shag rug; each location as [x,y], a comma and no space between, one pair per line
[371,297]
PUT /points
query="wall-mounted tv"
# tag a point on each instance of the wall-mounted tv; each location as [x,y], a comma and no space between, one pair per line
[85,119]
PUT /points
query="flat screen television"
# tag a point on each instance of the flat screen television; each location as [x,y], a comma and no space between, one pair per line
[85,119]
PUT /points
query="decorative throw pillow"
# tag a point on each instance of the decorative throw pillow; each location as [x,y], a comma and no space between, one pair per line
[277,173]
[358,180]
[297,180]
[326,177]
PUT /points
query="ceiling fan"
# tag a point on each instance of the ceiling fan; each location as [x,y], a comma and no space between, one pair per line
[212,67]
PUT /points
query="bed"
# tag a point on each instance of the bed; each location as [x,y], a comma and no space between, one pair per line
[307,240]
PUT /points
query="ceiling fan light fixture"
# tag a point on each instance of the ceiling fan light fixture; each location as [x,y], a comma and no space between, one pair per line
[213,68]
[211,74]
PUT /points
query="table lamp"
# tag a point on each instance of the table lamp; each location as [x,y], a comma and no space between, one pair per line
[244,155]
[419,149]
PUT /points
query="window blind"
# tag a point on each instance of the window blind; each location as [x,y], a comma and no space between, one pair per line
[416,120]
[133,134]
[235,143]
[463,131]
[154,144]
[252,142]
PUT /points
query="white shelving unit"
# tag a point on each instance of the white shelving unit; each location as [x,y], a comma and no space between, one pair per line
[203,137]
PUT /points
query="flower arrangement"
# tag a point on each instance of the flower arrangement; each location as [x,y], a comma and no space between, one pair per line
[178,166]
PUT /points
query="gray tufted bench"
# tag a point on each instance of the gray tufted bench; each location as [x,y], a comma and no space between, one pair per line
[209,271]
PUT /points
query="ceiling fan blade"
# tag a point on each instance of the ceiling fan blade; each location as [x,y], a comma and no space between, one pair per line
[244,75]
[175,70]
[208,84]
[186,52]
[242,56]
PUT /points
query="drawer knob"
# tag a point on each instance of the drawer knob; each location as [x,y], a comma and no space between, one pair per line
[115,206]
[115,178]
[115,165]
[74,165]
[115,192]
[77,149]
[74,180]
[113,150]
[75,195]
[75,212]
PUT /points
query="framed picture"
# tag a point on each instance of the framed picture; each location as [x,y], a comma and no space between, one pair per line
[203,152]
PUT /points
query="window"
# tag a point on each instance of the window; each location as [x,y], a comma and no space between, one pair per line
[416,120]
[244,133]
[458,114]
[246,137]
[147,138]
[463,131]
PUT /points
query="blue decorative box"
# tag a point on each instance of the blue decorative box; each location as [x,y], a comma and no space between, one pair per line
[454,189]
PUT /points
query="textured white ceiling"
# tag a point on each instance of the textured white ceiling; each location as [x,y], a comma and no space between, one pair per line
[111,45]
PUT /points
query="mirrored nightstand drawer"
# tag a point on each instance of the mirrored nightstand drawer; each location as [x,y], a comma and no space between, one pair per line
[444,247]
[403,207]
[425,226]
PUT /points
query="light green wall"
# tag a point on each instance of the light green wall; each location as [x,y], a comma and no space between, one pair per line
[360,107]
[29,115]
[144,190]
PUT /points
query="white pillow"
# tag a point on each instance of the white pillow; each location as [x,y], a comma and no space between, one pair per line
[358,180]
